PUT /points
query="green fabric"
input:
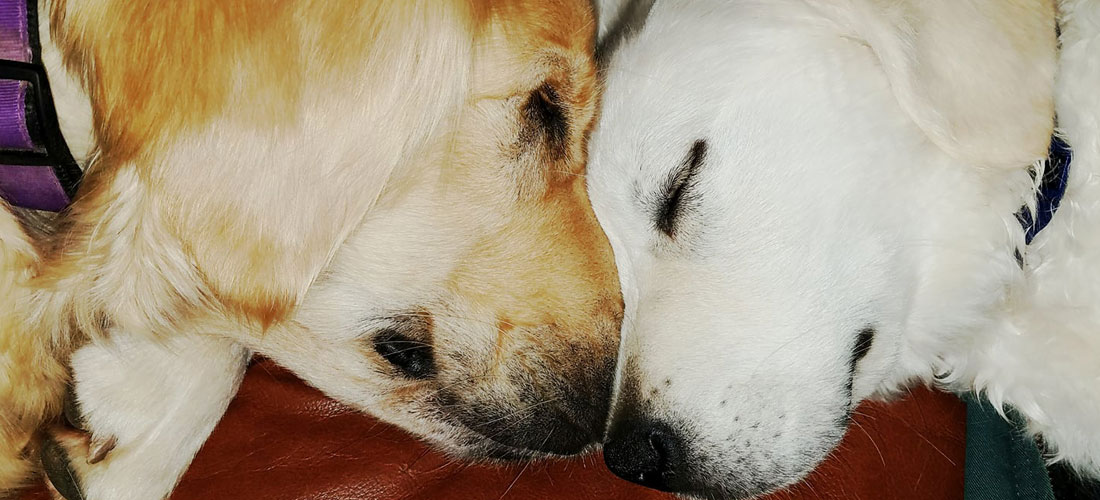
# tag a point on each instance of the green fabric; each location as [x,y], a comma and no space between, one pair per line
[1002,463]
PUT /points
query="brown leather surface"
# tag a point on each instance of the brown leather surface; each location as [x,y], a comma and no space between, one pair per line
[282,440]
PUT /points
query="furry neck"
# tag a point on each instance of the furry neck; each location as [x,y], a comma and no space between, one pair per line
[1025,335]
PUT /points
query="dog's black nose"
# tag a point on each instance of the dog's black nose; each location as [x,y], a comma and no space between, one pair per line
[644,452]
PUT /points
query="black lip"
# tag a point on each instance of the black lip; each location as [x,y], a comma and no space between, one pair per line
[864,340]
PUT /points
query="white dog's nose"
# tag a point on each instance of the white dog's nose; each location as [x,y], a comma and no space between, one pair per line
[645,452]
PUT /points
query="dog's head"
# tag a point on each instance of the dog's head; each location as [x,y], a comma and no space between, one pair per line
[478,305]
[781,183]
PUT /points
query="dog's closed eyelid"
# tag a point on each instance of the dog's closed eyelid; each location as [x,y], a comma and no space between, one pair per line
[412,358]
[545,110]
[863,344]
[676,188]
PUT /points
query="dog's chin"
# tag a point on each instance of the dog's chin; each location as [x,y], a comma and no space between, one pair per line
[507,454]
[737,489]
[746,485]
[495,453]
[715,476]
[473,446]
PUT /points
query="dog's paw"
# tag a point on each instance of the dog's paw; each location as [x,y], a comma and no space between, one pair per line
[68,451]
[137,412]
[96,447]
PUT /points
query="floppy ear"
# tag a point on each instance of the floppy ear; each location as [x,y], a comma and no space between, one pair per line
[618,20]
[976,76]
[607,12]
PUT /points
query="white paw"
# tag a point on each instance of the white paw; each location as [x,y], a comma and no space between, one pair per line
[143,407]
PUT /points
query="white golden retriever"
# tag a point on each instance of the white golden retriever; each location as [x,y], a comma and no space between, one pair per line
[814,202]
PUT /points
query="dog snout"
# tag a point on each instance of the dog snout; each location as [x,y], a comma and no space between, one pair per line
[646,452]
[568,416]
[550,429]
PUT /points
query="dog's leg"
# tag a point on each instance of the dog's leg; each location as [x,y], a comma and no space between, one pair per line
[145,407]
[32,380]
[31,385]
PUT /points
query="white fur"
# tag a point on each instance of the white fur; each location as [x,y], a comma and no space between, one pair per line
[74,109]
[828,202]
[1043,356]
[129,387]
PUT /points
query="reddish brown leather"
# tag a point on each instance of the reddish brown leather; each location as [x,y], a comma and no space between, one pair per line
[281,440]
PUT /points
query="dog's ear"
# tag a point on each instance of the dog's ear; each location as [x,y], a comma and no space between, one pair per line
[618,20]
[607,14]
[976,76]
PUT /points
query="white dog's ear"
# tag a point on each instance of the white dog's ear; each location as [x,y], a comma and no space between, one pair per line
[607,11]
[976,76]
[608,14]
[618,20]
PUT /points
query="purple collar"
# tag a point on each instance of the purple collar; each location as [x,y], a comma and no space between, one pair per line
[36,169]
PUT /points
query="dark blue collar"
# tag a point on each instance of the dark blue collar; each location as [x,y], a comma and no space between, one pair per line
[1052,187]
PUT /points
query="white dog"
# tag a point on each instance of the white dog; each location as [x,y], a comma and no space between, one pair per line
[814,202]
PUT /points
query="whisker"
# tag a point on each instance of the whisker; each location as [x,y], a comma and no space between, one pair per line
[521,471]
[525,409]
[875,444]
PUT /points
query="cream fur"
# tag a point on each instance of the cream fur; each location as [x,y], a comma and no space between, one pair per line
[863,166]
[160,421]
[27,400]
[1042,355]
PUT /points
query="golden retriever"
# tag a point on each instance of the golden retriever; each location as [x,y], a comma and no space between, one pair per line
[387,197]
[819,202]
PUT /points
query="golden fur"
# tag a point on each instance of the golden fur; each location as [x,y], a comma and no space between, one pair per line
[32,377]
[240,143]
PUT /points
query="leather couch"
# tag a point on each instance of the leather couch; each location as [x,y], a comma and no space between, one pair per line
[282,440]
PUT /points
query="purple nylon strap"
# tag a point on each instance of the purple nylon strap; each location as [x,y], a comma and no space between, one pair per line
[30,186]
[15,43]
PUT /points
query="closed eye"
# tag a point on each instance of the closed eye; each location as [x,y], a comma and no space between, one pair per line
[677,190]
[545,112]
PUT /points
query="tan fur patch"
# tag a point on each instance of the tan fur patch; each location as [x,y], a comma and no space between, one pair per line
[210,129]
[554,268]
[32,378]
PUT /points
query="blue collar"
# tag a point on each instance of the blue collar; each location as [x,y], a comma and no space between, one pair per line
[1052,187]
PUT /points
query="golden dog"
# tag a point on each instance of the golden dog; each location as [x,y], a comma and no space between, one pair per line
[387,197]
